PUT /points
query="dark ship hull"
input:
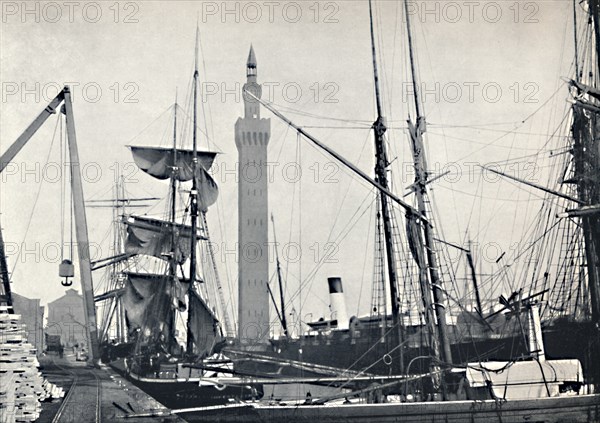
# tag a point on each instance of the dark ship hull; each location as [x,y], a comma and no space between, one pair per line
[350,350]
[175,394]
[187,392]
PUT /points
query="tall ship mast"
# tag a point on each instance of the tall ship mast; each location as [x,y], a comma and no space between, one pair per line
[586,163]
[164,284]
[416,130]
[381,169]
[422,244]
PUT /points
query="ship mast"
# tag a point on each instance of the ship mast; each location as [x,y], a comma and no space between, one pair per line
[280,280]
[381,164]
[174,171]
[471,263]
[586,157]
[172,258]
[193,201]
[591,222]
[420,163]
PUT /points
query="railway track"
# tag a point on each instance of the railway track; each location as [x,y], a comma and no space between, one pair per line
[83,401]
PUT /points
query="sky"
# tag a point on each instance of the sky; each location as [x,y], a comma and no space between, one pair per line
[490,75]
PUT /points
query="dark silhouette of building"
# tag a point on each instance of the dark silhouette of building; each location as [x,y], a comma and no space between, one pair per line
[66,318]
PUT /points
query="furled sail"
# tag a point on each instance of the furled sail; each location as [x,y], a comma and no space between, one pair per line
[159,161]
[204,327]
[158,238]
[415,240]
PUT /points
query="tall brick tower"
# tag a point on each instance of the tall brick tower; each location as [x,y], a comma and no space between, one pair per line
[251,138]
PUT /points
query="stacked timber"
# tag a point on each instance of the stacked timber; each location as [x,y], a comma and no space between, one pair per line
[22,386]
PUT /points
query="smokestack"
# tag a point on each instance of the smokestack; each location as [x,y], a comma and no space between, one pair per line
[338,302]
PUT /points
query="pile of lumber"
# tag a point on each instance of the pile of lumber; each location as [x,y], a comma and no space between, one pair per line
[22,387]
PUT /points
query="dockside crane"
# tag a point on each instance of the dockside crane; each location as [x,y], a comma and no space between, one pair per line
[85,269]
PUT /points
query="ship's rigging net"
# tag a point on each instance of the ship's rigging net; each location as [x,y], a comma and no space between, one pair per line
[379,292]
[568,277]
[560,249]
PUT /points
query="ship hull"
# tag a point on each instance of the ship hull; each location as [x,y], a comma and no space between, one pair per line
[192,392]
[341,350]
[577,409]
[175,394]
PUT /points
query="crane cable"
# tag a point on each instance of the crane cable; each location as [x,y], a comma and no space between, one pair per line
[37,197]
[63,200]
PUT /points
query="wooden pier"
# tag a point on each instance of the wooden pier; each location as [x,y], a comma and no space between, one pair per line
[94,394]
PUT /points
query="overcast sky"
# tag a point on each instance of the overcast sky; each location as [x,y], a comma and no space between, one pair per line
[485,67]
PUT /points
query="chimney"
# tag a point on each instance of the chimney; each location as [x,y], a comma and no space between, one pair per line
[338,302]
